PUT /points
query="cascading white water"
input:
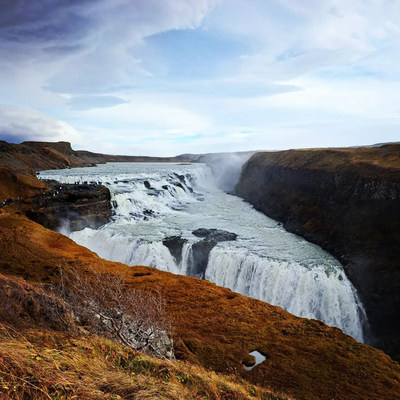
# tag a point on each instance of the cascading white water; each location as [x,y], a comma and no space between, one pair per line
[154,201]
[285,283]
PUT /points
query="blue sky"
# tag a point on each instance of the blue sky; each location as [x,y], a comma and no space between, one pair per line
[164,77]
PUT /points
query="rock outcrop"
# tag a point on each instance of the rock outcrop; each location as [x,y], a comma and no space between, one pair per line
[70,207]
[175,246]
[201,250]
[348,202]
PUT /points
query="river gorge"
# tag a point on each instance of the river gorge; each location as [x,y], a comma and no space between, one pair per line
[174,217]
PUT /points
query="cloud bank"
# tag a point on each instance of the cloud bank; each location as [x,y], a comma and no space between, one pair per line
[164,77]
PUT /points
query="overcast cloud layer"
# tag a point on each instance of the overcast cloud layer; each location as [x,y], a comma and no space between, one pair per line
[163,77]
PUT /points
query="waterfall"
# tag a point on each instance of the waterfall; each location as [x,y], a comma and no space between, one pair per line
[318,293]
[153,202]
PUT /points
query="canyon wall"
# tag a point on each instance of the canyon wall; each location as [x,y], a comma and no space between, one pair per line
[348,202]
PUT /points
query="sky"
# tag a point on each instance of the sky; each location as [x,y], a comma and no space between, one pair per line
[166,77]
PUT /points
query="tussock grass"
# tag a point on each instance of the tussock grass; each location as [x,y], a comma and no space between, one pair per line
[49,365]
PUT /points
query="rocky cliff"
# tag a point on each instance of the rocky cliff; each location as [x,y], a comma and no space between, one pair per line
[348,202]
[70,207]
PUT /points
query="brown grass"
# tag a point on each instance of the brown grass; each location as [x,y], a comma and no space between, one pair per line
[48,365]
[216,328]
[15,184]
[367,160]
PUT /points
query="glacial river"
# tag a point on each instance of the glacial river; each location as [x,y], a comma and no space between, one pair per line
[155,201]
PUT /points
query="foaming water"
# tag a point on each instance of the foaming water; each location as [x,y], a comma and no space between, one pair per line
[153,201]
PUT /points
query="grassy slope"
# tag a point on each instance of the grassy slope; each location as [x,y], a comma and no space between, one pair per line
[52,365]
[216,328]
[366,161]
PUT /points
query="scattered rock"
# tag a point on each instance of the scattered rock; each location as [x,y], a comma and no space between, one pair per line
[180,177]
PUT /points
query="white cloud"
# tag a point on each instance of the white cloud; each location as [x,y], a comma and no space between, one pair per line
[18,122]
[368,98]
[262,74]
[110,58]
[152,117]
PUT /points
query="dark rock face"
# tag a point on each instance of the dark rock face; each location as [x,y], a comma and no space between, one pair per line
[76,206]
[180,177]
[350,209]
[201,250]
[175,246]
[147,185]
[216,235]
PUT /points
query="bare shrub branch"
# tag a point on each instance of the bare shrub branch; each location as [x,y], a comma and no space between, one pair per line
[136,318]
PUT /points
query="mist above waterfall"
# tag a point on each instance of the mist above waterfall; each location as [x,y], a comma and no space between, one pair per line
[153,203]
[226,169]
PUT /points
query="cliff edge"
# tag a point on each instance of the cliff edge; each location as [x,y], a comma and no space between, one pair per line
[348,202]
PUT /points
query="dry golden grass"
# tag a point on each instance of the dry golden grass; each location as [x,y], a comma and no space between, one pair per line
[368,161]
[15,184]
[49,365]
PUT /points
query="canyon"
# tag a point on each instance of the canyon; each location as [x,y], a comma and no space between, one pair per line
[344,200]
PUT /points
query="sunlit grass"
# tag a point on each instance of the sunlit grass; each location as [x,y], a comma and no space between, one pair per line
[49,365]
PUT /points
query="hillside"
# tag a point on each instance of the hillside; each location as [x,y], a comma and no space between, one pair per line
[347,201]
[45,364]
[214,327]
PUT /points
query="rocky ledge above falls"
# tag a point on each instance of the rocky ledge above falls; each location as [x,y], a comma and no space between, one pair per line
[73,207]
[200,250]
[347,201]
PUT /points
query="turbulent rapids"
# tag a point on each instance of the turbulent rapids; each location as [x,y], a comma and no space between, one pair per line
[173,217]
